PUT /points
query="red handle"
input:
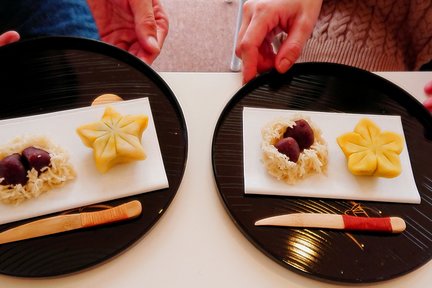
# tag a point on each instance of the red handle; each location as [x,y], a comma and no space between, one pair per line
[381,224]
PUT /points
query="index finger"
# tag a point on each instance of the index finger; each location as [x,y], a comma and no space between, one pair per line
[292,46]
[249,45]
[145,25]
[162,23]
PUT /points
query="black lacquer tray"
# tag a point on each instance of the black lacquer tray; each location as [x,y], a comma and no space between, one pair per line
[59,73]
[327,254]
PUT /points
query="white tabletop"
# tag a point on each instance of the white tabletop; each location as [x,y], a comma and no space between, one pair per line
[195,243]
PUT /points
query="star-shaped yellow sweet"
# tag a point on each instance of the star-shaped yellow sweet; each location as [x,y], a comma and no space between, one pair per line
[372,152]
[115,138]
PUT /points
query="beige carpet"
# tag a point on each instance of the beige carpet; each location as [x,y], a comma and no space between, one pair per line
[200,37]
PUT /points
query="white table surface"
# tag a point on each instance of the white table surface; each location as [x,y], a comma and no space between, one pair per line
[195,243]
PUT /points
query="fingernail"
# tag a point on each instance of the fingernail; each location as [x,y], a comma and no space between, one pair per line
[152,42]
[284,65]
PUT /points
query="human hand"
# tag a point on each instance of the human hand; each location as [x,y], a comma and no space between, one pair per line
[428,91]
[137,26]
[9,37]
[262,21]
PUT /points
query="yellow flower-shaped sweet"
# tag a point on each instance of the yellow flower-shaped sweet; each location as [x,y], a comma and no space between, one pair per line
[372,152]
[115,138]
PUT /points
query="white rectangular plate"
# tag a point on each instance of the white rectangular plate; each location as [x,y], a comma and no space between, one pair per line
[337,182]
[90,186]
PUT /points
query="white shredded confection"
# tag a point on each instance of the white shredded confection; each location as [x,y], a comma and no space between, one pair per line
[59,172]
[312,160]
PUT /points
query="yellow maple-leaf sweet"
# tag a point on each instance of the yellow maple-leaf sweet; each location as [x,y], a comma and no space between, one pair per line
[115,138]
[372,152]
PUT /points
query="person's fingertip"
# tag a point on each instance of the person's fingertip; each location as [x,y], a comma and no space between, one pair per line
[153,44]
[246,78]
[284,65]
[428,88]
[148,59]
[9,37]
[14,36]
[428,104]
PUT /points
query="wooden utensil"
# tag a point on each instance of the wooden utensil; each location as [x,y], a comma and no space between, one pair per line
[62,223]
[335,221]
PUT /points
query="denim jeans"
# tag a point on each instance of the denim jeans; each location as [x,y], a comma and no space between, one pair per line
[34,18]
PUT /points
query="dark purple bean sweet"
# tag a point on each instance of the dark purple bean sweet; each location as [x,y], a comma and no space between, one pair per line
[289,147]
[36,158]
[302,133]
[13,170]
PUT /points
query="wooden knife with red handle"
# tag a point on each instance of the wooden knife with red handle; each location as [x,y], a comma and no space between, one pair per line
[335,221]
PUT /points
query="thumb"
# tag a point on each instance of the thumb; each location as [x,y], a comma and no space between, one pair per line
[292,47]
[145,25]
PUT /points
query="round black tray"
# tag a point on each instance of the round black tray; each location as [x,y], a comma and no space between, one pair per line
[59,73]
[319,253]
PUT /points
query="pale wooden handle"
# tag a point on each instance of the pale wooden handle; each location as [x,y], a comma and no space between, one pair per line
[122,212]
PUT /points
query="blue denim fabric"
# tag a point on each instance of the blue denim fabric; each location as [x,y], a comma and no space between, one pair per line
[34,18]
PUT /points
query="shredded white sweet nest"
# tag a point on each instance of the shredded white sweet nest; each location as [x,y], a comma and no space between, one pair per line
[312,160]
[51,177]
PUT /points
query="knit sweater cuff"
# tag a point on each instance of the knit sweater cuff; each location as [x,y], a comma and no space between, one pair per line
[349,54]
